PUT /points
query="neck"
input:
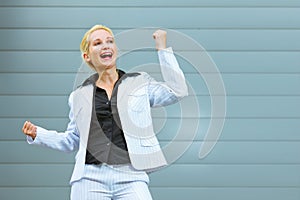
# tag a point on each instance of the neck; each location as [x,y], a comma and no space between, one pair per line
[107,77]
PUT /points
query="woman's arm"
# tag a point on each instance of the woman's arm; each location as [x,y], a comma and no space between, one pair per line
[67,141]
[174,86]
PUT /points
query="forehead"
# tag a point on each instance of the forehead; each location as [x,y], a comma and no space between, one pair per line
[100,34]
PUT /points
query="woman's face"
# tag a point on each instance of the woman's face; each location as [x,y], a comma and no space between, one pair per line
[102,50]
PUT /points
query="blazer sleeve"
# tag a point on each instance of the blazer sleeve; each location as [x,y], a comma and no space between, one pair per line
[67,141]
[174,86]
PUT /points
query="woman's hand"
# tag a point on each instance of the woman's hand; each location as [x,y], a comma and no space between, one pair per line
[160,38]
[29,129]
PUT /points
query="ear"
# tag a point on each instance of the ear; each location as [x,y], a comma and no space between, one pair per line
[86,57]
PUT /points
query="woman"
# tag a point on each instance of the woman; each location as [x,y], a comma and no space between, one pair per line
[110,121]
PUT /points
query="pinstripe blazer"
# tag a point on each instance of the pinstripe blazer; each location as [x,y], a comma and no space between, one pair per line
[134,98]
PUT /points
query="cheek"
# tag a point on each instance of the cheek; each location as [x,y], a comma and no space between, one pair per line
[115,49]
[94,49]
[94,52]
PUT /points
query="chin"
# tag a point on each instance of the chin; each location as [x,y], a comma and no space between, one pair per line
[110,66]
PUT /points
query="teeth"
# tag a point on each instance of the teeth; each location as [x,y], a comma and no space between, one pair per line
[106,55]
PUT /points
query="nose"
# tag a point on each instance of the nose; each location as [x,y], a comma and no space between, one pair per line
[106,45]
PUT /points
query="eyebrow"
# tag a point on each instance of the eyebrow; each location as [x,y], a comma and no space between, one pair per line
[105,38]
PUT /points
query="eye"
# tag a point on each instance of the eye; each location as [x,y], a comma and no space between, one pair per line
[97,43]
[110,41]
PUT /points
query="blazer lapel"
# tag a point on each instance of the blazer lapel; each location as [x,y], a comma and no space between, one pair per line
[83,104]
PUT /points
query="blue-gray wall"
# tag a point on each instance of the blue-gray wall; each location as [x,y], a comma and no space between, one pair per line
[254,43]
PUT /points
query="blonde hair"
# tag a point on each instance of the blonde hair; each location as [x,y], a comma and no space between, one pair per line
[85,43]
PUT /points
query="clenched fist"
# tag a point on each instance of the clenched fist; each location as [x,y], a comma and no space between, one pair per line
[29,129]
[160,38]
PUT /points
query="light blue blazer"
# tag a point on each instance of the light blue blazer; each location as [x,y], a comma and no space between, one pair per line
[136,95]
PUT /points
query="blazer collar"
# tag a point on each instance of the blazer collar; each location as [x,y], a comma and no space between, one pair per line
[122,75]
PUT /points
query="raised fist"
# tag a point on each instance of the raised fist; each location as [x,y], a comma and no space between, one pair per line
[160,38]
[29,129]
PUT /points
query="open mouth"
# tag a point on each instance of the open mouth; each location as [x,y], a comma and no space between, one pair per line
[106,55]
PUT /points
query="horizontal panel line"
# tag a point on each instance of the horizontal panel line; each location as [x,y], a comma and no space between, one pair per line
[176,164]
[147,6]
[198,95]
[211,50]
[242,118]
[174,118]
[196,140]
[37,163]
[157,73]
[66,186]
[154,117]
[35,95]
[42,117]
[203,28]
[186,73]
[178,50]
[236,141]
[160,187]
[225,187]
[35,187]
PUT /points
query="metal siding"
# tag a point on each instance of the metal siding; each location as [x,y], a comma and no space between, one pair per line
[253,43]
